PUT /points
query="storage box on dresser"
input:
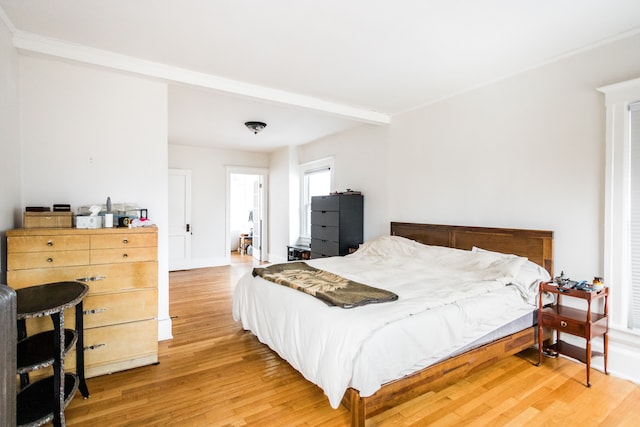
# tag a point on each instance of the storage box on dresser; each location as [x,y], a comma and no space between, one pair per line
[121,268]
[47,220]
[336,224]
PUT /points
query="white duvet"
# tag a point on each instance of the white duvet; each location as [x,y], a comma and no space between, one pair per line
[337,348]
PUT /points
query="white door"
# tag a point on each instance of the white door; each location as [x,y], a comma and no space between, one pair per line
[179,219]
[258,214]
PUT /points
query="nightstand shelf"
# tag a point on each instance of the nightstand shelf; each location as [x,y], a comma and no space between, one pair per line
[34,404]
[581,323]
[35,352]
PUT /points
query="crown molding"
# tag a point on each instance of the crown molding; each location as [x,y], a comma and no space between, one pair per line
[628,85]
[7,21]
[30,42]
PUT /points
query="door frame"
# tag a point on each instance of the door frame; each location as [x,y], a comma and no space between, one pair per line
[246,170]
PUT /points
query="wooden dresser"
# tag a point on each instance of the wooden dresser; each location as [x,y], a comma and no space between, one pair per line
[120,266]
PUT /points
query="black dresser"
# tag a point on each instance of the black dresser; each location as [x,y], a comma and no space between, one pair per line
[336,224]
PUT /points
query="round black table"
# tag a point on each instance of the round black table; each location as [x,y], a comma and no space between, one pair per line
[45,400]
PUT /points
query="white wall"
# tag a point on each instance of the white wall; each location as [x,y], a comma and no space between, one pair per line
[208,185]
[527,152]
[362,164]
[10,176]
[284,199]
[89,133]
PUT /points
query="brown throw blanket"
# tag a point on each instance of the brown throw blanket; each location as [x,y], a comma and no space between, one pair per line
[326,286]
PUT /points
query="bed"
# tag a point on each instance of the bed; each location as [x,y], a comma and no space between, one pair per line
[358,366]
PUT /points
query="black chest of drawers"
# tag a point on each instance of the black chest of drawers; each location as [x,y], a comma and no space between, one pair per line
[336,224]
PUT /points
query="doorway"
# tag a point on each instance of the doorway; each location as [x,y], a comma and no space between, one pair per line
[246,219]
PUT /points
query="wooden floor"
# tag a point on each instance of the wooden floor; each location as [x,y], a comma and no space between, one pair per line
[212,373]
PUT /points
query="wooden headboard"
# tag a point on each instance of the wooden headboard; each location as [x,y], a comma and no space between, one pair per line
[537,245]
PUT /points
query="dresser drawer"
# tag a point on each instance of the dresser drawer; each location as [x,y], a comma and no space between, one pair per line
[325,203]
[109,256]
[570,326]
[325,232]
[103,310]
[47,243]
[315,255]
[104,278]
[123,240]
[325,247]
[106,309]
[26,260]
[325,218]
[118,343]
[112,348]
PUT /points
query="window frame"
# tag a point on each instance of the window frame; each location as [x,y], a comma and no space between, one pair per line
[618,98]
[306,168]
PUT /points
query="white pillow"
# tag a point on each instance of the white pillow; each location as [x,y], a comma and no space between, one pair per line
[387,247]
[528,278]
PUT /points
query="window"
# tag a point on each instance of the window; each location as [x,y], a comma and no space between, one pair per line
[634,215]
[316,178]
[622,203]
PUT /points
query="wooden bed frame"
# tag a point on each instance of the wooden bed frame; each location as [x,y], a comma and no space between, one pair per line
[534,244]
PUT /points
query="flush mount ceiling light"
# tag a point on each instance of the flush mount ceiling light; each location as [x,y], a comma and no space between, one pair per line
[255,127]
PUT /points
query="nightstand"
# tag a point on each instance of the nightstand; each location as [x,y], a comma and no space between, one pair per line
[569,320]
[298,253]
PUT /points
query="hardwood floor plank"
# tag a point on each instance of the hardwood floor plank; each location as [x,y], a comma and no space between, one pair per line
[627,413]
[212,373]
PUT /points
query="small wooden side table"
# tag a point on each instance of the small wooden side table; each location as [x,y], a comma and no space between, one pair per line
[243,243]
[581,323]
[45,400]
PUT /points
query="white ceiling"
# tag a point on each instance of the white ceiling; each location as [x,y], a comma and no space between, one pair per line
[310,69]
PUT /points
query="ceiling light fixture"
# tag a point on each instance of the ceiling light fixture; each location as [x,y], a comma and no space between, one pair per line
[255,127]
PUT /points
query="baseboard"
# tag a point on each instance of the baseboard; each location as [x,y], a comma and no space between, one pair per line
[207,262]
[624,353]
[274,259]
[164,329]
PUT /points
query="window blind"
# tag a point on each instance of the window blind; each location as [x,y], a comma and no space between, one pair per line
[634,215]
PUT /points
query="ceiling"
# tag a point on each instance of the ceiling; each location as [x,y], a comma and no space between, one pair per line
[311,69]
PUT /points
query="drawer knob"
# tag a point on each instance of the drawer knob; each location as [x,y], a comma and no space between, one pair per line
[563,323]
[90,279]
[125,241]
[94,347]
[50,243]
[49,259]
[124,255]
[94,311]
